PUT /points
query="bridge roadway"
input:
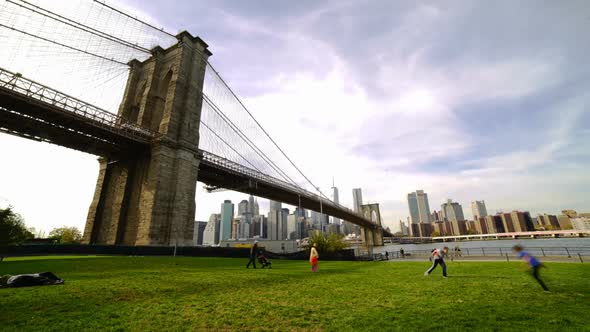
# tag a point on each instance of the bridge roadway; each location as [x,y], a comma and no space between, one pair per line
[31,110]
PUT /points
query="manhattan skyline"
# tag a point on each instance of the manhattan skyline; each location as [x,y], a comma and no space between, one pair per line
[498,111]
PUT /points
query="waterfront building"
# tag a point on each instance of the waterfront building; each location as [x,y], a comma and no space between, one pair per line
[452,211]
[419,207]
[548,221]
[478,208]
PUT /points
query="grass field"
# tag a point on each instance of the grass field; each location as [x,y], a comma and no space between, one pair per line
[182,293]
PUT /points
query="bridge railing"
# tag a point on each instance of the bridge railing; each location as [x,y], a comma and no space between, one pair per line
[37,91]
[228,164]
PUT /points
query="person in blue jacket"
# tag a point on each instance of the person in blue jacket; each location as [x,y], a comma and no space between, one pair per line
[533,262]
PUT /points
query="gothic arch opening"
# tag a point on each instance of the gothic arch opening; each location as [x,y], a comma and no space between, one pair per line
[159,102]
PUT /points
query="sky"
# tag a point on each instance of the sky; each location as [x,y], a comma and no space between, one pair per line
[467,100]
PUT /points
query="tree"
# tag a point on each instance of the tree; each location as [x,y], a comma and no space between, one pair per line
[12,228]
[334,242]
[66,235]
[435,233]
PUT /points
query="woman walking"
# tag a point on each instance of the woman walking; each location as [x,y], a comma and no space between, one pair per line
[313,258]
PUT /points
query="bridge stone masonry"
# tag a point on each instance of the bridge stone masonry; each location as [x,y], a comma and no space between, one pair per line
[148,198]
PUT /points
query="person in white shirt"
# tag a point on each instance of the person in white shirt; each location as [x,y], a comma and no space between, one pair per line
[438,255]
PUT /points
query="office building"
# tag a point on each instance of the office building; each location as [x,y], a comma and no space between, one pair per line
[212,229]
[419,207]
[198,232]
[564,221]
[274,205]
[357,200]
[548,222]
[478,209]
[459,227]
[581,223]
[522,221]
[243,208]
[452,211]
[227,216]
[494,224]
[335,200]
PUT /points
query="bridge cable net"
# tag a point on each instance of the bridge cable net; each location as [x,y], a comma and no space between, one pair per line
[230,130]
[78,47]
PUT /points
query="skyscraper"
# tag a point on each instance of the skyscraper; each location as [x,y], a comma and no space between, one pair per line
[227,214]
[335,194]
[256,210]
[452,211]
[357,199]
[243,208]
[419,207]
[478,208]
[275,205]
[413,206]
[251,206]
[211,232]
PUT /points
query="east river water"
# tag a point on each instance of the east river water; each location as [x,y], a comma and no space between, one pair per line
[547,243]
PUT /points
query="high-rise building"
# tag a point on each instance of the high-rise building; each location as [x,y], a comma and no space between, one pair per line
[478,208]
[251,205]
[243,208]
[292,226]
[256,210]
[272,224]
[452,211]
[507,222]
[564,221]
[494,224]
[300,212]
[357,200]
[419,207]
[548,221]
[413,206]
[481,226]
[581,223]
[335,199]
[284,233]
[227,215]
[522,221]
[198,232]
[211,233]
[274,205]
[459,227]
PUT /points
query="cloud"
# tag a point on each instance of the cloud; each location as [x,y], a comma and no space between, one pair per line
[464,100]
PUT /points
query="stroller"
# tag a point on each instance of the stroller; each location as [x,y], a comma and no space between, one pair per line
[264,261]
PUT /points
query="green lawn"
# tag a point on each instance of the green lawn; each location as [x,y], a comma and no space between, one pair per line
[170,294]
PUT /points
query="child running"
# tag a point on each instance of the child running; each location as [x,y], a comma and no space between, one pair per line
[534,263]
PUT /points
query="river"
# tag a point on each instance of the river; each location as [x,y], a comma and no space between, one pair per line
[526,243]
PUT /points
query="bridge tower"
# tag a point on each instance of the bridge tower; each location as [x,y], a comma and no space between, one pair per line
[372,236]
[148,197]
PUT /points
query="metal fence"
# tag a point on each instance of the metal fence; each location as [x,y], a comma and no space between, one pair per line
[576,253]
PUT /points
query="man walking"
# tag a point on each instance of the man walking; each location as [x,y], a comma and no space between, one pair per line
[438,255]
[253,255]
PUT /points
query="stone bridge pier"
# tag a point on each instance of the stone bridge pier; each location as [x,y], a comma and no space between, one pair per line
[372,236]
[148,197]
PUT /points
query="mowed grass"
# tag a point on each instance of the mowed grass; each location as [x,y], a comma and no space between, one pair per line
[192,294]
